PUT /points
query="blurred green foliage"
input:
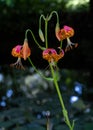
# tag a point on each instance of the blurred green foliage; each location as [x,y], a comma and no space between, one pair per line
[40,6]
[24,110]
[29,6]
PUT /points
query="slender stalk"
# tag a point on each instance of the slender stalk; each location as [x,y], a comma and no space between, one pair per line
[55,12]
[46,38]
[46,25]
[65,114]
[60,44]
[54,76]
[41,16]
[28,30]
[49,79]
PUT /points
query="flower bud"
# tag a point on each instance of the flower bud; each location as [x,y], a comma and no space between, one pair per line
[41,35]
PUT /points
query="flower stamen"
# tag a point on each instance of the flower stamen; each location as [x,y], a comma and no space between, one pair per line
[18,64]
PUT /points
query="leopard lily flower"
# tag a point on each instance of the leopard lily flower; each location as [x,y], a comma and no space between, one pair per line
[65,33]
[16,52]
[51,55]
[20,51]
[69,32]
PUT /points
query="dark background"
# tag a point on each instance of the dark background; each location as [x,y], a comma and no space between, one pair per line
[23,109]
[17,16]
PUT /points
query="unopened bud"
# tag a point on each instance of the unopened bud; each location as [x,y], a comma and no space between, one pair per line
[57,28]
[41,35]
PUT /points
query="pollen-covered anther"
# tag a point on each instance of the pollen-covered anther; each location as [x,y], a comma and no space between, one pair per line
[18,64]
[70,45]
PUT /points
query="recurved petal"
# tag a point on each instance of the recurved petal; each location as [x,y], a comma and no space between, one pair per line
[26,51]
[16,51]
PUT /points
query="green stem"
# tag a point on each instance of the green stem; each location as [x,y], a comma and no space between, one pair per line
[41,16]
[46,38]
[49,79]
[65,114]
[61,44]
[55,12]
[46,24]
[28,30]
[57,87]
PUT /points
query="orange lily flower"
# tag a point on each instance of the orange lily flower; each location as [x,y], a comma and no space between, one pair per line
[65,33]
[69,33]
[51,55]
[21,51]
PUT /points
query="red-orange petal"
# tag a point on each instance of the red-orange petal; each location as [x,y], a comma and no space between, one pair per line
[51,55]
[26,52]
[69,31]
[61,34]
[16,51]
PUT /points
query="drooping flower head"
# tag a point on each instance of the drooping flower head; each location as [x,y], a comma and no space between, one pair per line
[16,52]
[21,51]
[51,55]
[69,33]
[65,33]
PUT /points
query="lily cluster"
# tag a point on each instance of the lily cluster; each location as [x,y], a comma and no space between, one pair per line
[49,54]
